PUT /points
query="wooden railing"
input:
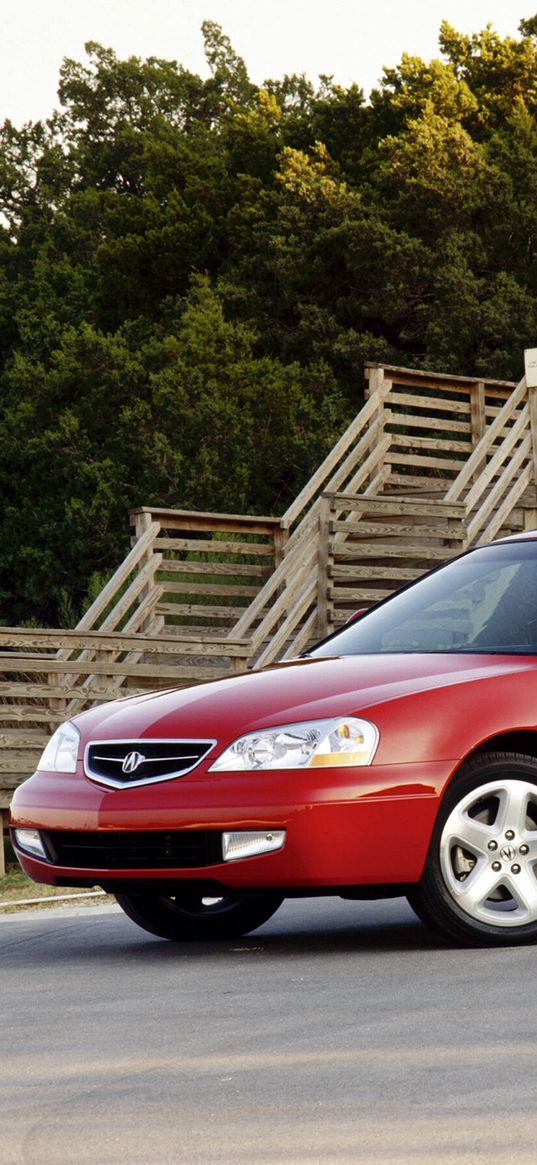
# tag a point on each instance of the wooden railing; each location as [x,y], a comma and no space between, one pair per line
[431,463]
[372,457]
[500,469]
[208,568]
[373,546]
[289,598]
[454,412]
[257,578]
[48,675]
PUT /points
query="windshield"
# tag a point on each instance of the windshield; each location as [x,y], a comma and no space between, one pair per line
[484,601]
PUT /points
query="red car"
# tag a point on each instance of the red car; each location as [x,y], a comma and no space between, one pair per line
[397,757]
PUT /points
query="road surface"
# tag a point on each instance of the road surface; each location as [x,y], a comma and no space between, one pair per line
[339,1033]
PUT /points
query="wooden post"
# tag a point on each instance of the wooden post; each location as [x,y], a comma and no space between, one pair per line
[56,704]
[324,621]
[478,419]
[532,402]
[3,824]
[142,523]
[378,387]
[281,538]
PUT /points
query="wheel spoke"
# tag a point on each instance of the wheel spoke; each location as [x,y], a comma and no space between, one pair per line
[477,887]
[500,889]
[523,888]
[470,834]
[513,806]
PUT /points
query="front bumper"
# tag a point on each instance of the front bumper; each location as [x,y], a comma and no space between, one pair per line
[345,827]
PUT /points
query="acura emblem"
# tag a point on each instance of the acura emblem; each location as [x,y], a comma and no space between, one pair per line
[132,761]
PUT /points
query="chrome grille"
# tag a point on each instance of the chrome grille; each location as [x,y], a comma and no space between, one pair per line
[124,763]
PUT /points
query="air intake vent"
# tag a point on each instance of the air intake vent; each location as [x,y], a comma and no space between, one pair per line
[122,763]
[111,850]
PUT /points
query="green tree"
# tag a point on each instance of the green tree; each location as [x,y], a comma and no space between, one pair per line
[193,270]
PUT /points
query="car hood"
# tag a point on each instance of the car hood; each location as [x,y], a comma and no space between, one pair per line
[289,692]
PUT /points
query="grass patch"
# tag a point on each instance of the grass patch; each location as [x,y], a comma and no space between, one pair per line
[15,886]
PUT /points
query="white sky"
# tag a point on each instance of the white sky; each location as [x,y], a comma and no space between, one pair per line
[351,39]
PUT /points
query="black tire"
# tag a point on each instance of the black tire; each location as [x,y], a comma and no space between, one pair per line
[479,885]
[190,916]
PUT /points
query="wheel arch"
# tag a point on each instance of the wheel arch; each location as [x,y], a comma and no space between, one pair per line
[514,740]
[519,740]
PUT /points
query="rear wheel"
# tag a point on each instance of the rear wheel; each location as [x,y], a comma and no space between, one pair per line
[190,916]
[479,885]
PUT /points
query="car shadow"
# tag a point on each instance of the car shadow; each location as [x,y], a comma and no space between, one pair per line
[299,929]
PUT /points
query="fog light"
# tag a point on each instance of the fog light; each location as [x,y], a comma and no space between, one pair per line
[29,840]
[248,844]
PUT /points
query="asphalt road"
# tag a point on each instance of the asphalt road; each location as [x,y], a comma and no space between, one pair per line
[339,1033]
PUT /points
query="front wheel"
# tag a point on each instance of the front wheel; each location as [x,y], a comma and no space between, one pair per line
[479,884]
[190,916]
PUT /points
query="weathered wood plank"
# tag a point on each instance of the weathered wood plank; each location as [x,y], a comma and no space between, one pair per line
[404,441]
[400,506]
[197,588]
[411,421]
[99,606]
[502,514]
[515,468]
[297,612]
[27,713]
[497,461]
[301,549]
[270,626]
[241,569]
[323,561]
[143,579]
[163,645]
[19,764]
[344,589]
[6,792]
[93,694]
[204,546]
[415,550]
[351,435]
[100,667]
[368,530]
[199,610]
[199,520]
[392,571]
[430,404]
[416,375]
[426,462]
[17,738]
[304,637]
[412,484]
[483,449]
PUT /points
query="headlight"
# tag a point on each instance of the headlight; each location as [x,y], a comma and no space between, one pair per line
[313,744]
[61,752]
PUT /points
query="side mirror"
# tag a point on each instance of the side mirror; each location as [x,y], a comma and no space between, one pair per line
[357,614]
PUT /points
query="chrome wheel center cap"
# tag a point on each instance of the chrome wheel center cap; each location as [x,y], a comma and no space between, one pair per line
[508,853]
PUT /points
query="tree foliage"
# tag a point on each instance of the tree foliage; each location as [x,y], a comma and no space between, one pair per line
[193,270]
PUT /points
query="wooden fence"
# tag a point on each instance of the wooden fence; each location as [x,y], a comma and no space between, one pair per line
[430,465]
[207,568]
[372,546]
[48,675]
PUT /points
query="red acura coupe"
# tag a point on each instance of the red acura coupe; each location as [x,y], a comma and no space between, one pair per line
[397,757]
